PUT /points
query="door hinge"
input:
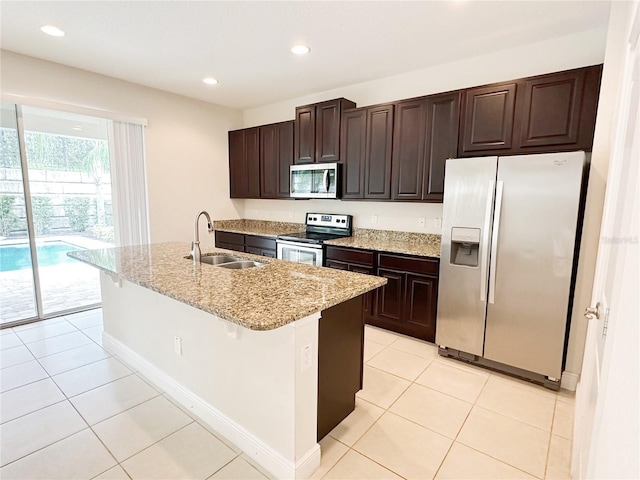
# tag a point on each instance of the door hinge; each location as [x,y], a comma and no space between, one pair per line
[605,323]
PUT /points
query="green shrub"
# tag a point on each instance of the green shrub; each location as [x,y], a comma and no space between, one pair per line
[103,232]
[76,210]
[42,212]
[8,219]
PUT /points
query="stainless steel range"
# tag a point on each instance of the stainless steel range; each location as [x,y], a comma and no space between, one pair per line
[306,247]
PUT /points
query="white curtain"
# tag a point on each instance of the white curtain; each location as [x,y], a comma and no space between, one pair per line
[129,184]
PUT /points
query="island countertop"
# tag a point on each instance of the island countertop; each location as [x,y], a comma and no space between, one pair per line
[261,298]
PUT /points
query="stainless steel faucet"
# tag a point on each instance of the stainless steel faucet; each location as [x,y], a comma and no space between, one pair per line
[195,246]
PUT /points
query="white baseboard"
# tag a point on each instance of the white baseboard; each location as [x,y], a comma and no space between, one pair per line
[265,456]
[569,381]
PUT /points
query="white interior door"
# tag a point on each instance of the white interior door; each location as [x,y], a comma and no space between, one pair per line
[606,418]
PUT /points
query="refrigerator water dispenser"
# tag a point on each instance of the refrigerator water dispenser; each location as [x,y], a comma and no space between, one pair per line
[465,244]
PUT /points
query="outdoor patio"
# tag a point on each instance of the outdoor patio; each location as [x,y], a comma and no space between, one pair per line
[66,286]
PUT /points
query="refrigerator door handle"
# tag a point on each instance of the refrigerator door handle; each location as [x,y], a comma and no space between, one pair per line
[494,241]
[484,260]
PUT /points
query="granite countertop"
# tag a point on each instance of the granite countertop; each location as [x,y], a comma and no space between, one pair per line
[261,298]
[263,228]
[419,244]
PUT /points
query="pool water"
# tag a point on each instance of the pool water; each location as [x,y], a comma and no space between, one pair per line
[17,256]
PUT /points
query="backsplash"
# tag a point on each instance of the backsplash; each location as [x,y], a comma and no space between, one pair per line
[393,216]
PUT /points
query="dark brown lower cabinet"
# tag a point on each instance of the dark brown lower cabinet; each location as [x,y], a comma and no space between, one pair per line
[230,241]
[255,244]
[258,245]
[354,260]
[407,303]
[340,350]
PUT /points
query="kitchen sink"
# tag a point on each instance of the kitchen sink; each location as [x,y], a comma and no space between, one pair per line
[241,265]
[217,259]
[228,261]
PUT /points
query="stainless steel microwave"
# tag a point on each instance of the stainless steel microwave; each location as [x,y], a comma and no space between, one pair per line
[316,180]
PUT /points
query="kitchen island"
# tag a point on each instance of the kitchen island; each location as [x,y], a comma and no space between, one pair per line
[263,355]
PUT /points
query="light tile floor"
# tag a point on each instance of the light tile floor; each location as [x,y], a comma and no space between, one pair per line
[70,410]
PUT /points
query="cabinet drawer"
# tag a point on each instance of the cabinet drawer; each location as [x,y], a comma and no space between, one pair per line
[351,255]
[230,246]
[260,242]
[228,237]
[265,252]
[408,264]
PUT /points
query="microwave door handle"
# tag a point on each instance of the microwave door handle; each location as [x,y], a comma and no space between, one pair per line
[325,181]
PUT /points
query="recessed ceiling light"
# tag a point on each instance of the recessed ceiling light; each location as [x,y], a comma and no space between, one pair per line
[52,30]
[77,128]
[300,49]
[210,80]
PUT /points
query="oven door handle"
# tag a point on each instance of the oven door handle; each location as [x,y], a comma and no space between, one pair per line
[301,246]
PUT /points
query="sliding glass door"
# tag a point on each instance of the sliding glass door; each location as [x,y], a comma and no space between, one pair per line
[58,199]
[17,279]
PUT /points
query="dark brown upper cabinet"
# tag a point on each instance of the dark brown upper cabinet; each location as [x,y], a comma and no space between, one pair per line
[557,111]
[398,151]
[547,113]
[443,118]
[317,131]
[409,138]
[366,141]
[487,118]
[276,156]
[353,138]
[244,163]
[425,135]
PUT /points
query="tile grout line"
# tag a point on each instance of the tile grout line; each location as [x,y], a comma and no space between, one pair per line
[61,351]
[553,419]
[455,439]
[474,404]
[66,399]
[386,410]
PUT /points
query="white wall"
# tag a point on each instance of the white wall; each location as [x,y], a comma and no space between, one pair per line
[572,51]
[553,55]
[186,139]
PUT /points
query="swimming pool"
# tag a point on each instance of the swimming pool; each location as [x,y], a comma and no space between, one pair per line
[17,256]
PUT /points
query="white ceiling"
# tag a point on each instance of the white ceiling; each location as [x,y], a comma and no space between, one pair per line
[172,45]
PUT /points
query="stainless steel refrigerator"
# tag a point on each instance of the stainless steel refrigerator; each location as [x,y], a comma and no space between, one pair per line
[507,259]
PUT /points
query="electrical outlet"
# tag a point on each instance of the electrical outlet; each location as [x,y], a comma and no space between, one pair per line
[421,221]
[177,345]
[306,357]
[290,214]
[438,222]
[374,219]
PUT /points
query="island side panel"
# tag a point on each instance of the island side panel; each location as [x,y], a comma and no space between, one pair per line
[252,378]
[340,362]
